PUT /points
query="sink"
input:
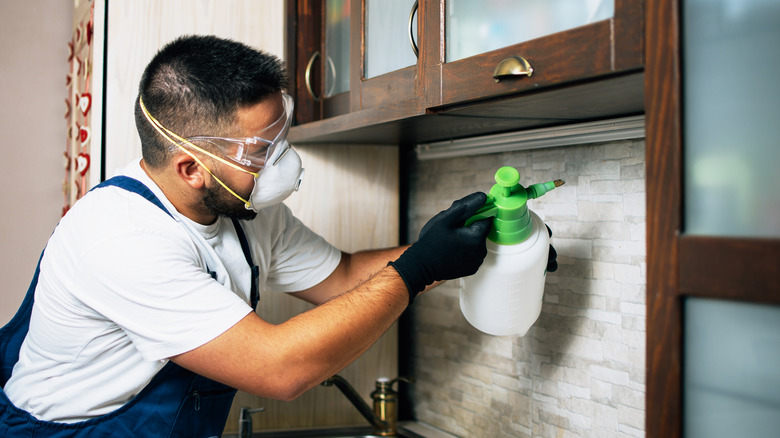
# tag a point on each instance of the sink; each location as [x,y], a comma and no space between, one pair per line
[411,429]
[327,432]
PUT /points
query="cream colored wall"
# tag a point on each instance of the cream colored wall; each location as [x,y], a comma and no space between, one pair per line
[349,195]
[34,35]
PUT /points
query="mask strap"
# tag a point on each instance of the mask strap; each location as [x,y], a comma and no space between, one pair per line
[167,135]
[246,203]
[165,132]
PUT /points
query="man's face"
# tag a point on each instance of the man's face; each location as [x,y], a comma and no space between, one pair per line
[251,120]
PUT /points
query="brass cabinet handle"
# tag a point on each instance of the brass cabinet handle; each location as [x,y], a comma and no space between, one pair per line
[307,76]
[511,67]
[411,36]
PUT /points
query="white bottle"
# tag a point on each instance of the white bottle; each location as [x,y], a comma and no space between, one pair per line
[505,296]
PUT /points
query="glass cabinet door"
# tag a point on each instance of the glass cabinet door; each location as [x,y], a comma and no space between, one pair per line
[319,57]
[336,47]
[389,46]
[388,70]
[731,369]
[496,48]
[474,27]
[731,130]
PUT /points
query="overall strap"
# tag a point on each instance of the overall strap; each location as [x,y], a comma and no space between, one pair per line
[255,294]
[12,334]
[135,186]
[176,402]
[138,187]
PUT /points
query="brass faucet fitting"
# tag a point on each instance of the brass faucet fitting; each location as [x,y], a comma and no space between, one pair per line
[386,404]
[384,417]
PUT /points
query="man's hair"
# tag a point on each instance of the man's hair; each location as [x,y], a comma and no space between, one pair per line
[194,86]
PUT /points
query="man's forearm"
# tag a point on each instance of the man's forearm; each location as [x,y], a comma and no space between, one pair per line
[281,361]
[353,270]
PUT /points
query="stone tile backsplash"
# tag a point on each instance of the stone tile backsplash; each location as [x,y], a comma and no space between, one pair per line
[579,371]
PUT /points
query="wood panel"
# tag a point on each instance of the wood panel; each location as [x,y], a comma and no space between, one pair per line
[663,175]
[616,96]
[730,268]
[304,22]
[349,196]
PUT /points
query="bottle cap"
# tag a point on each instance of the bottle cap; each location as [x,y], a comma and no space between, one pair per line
[507,204]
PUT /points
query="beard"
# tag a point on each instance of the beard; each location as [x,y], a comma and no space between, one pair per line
[222,203]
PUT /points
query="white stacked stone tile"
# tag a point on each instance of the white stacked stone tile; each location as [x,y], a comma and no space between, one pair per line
[579,371]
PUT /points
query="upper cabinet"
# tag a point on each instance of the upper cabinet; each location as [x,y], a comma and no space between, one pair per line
[351,55]
[498,47]
[319,54]
[387,53]
[492,65]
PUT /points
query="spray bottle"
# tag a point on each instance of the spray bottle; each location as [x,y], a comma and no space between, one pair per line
[505,296]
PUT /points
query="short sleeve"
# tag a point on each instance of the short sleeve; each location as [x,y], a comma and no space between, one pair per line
[300,257]
[158,291]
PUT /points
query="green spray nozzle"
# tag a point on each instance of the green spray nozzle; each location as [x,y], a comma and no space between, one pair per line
[506,204]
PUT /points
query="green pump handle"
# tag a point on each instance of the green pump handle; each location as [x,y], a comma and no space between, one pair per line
[486,211]
[506,203]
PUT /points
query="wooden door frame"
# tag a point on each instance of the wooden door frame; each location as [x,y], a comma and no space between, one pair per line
[678,265]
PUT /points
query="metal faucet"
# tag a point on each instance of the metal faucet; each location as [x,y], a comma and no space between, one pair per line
[384,416]
[245,421]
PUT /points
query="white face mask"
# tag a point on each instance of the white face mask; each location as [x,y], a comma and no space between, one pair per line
[276,182]
[273,183]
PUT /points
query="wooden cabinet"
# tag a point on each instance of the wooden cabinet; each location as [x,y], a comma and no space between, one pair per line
[687,264]
[585,52]
[324,33]
[310,57]
[586,72]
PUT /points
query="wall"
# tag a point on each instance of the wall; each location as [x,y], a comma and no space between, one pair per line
[137,29]
[34,65]
[349,196]
[580,370]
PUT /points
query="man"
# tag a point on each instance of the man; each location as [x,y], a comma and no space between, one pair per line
[143,319]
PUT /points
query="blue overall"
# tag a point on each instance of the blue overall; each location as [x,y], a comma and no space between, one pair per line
[175,403]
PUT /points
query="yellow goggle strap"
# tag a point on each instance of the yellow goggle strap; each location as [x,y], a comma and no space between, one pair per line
[167,134]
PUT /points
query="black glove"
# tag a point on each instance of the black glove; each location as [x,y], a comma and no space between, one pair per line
[552,257]
[446,249]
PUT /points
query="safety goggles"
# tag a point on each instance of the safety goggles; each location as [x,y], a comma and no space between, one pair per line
[253,151]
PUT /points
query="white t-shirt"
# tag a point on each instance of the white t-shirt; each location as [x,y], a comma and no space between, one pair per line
[123,287]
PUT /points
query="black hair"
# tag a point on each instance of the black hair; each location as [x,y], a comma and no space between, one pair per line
[194,86]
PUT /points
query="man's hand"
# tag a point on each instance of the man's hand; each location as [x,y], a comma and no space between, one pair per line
[446,249]
[552,258]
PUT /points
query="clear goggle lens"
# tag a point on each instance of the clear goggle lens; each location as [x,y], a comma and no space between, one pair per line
[268,145]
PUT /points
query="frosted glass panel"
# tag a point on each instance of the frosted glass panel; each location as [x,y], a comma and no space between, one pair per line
[336,47]
[732,117]
[387,36]
[731,376]
[474,27]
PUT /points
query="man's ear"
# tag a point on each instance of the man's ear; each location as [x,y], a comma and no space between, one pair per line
[189,171]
